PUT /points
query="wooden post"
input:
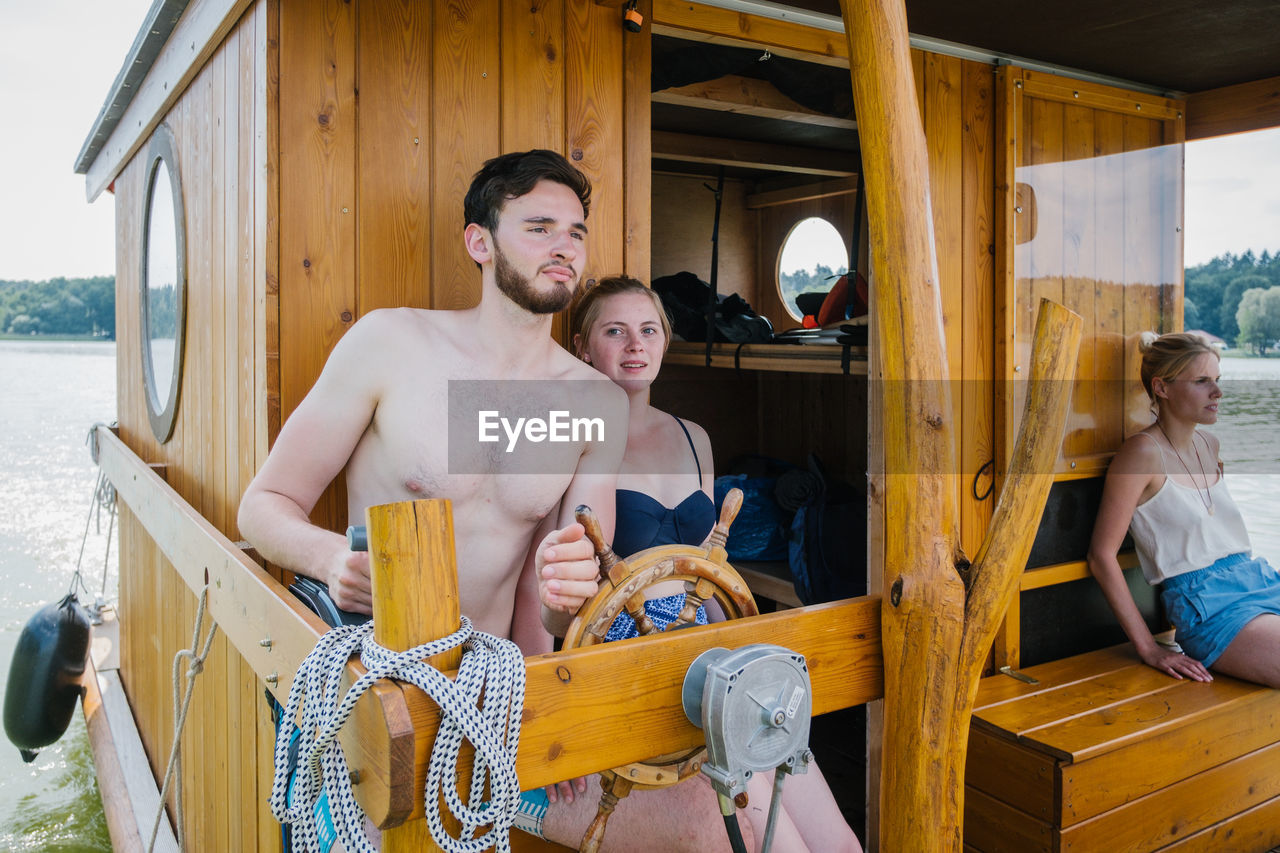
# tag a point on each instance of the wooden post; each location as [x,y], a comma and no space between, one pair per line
[923,610]
[415,600]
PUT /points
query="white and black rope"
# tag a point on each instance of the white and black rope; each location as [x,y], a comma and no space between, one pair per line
[491,667]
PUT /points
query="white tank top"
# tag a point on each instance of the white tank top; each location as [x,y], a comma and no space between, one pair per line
[1174,532]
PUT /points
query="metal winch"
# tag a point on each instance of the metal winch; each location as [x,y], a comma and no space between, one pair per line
[755,705]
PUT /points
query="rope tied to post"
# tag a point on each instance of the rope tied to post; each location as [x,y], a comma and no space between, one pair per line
[491,667]
[181,705]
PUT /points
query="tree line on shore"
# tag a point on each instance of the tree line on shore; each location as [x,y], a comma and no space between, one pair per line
[1237,298]
[59,306]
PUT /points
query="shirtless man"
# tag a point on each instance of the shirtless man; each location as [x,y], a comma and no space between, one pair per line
[381,408]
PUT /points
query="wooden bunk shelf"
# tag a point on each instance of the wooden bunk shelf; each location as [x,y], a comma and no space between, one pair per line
[715,151]
[786,358]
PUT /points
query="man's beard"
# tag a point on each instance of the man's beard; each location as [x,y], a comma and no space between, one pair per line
[521,291]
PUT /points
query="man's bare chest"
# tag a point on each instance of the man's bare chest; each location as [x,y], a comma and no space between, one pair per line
[503,446]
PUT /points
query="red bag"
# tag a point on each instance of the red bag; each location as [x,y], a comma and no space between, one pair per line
[833,307]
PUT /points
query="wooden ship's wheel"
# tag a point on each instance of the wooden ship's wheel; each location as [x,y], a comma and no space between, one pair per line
[707,576]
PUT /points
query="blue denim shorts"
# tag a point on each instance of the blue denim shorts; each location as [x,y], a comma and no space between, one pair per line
[1209,606]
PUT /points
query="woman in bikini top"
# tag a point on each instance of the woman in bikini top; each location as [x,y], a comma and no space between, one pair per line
[665,497]
[665,482]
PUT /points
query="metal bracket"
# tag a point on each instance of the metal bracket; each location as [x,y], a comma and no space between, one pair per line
[1020,676]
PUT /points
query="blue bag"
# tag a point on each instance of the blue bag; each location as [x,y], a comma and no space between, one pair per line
[760,530]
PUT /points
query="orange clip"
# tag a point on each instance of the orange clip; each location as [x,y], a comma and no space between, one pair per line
[632,19]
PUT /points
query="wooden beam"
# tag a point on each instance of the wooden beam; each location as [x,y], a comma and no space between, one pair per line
[713,151]
[203,26]
[923,613]
[415,600]
[716,25]
[1234,109]
[630,691]
[248,604]
[130,797]
[746,96]
[807,192]
[1052,87]
[789,358]
[1074,570]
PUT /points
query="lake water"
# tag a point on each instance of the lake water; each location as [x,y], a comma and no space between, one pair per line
[51,393]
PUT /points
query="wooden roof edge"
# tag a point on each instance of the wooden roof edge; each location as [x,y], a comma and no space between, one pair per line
[156,27]
[1234,109]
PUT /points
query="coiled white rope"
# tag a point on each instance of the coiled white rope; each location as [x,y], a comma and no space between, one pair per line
[491,667]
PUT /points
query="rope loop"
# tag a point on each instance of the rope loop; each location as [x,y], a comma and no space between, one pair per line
[181,705]
[492,668]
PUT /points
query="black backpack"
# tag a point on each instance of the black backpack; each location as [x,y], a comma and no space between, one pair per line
[685,298]
[828,543]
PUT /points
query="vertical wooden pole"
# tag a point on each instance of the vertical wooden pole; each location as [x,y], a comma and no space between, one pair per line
[923,615]
[415,600]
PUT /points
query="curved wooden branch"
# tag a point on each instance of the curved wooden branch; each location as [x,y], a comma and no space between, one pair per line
[1004,551]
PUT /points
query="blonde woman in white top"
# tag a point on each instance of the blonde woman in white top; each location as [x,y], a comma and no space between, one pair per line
[1166,487]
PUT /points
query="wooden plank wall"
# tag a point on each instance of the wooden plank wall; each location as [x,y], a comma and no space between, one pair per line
[306,207]
[1099,173]
[220,129]
[387,110]
[1090,181]
[957,106]
[681,233]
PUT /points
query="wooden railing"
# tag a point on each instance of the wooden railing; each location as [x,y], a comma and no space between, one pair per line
[585,710]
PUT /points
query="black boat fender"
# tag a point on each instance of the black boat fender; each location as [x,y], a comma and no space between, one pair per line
[45,677]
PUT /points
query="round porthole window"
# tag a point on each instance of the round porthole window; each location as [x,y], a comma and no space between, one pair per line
[813,257]
[164,284]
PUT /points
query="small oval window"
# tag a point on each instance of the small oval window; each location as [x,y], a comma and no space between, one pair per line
[813,258]
[164,280]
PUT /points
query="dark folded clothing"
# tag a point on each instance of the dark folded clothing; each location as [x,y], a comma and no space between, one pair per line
[797,488]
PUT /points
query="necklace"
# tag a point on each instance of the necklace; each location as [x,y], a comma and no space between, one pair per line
[1206,498]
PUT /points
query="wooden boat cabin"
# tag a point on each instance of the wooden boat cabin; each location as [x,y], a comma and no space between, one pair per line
[313,155]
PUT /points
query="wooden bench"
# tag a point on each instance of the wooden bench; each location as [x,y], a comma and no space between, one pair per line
[1107,754]
[771,580]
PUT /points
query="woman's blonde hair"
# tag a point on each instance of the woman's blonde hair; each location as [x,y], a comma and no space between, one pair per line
[1166,356]
[587,311]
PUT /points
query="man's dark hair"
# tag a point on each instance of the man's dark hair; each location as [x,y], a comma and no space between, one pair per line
[513,175]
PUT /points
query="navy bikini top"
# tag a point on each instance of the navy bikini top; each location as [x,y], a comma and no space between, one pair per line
[642,522]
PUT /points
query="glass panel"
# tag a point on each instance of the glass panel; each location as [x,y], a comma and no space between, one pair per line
[162,287]
[1098,215]
[813,257]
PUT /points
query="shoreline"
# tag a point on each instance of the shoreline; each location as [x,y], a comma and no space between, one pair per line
[7,336]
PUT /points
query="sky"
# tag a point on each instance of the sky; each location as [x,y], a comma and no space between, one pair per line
[58,59]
